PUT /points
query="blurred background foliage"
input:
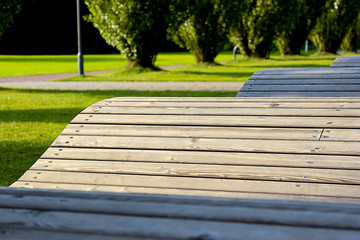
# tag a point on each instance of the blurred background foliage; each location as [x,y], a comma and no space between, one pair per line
[141,29]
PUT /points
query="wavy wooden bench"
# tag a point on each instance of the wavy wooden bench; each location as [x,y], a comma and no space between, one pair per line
[299,157]
[303,82]
[268,148]
[346,62]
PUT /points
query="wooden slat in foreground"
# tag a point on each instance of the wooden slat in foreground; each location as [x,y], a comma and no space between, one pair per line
[257,148]
[40,214]
[303,82]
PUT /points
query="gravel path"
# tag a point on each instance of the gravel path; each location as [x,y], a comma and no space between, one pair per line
[45,82]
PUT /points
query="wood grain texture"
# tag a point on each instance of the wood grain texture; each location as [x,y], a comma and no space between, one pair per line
[202,157]
[208,111]
[77,214]
[190,131]
[212,185]
[210,144]
[238,121]
[200,170]
[273,148]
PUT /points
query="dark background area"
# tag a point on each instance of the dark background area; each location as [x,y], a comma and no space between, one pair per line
[49,27]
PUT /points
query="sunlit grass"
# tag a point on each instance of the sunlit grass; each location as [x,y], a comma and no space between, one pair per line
[231,70]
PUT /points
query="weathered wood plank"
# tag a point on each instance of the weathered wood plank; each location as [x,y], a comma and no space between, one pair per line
[203,184]
[305,76]
[91,188]
[190,131]
[248,211]
[13,233]
[341,135]
[201,157]
[213,144]
[229,99]
[298,94]
[307,71]
[347,59]
[320,88]
[291,81]
[238,121]
[234,104]
[223,111]
[345,65]
[163,228]
[201,170]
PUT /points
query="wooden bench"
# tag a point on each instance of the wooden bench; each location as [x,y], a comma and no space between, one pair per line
[45,214]
[268,148]
[303,82]
[346,62]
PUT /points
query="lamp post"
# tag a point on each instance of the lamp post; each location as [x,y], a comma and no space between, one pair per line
[80,58]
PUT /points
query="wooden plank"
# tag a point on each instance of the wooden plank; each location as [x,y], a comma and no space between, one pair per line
[202,170]
[228,99]
[191,183]
[248,211]
[162,228]
[213,144]
[305,76]
[223,111]
[330,81]
[341,135]
[175,193]
[312,88]
[201,157]
[298,94]
[255,104]
[347,59]
[238,121]
[13,233]
[345,65]
[307,71]
[190,131]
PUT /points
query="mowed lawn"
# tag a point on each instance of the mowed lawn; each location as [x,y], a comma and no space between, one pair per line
[229,70]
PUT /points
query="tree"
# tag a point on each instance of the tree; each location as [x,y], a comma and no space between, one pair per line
[136,28]
[204,28]
[297,18]
[254,29]
[333,24]
[8,9]
[350,41]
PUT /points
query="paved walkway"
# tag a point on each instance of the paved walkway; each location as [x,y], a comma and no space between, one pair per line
[46,82]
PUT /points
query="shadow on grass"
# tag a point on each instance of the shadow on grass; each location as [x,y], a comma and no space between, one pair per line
[320,65]
[60,59]
[17,157]
[220,74]
[102,94]
[55,115]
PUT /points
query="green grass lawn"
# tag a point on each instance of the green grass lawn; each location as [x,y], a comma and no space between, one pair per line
[30,120]
[238,70]
[18,65]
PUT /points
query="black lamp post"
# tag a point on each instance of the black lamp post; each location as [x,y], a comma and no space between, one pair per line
[80,58]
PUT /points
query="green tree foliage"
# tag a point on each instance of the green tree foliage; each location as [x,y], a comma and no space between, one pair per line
[255,27]
[8,9]
[333,24]
[297,18]
[350,41]
[204,30]
[137,28]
